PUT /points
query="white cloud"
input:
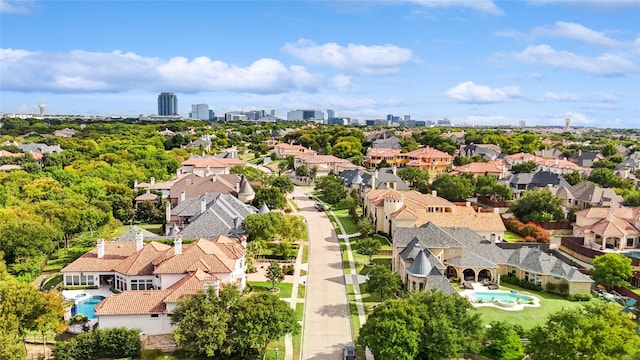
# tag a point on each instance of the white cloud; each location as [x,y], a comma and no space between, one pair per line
[15,6]
[483,6]
[606,64]
[576,119]
[342,83]
[375,59]
[575,31]
[81,71]
[468,92]
[560,96]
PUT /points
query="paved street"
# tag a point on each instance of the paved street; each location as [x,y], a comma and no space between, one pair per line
[327,328]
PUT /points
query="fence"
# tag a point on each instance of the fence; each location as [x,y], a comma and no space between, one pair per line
[486,200]
[517,245]
[556,225]
[626,292]
[575,245]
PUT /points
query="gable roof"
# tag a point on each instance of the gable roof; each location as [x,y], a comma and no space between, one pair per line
[194,186]
[537,261]
[114,253]
[133,303]
[213,256]
[428,153]
[430,236]
[223,216]
[140,262]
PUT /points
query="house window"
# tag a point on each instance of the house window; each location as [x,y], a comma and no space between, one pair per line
[79,280]
[141,284]
[452,251]
[154,316]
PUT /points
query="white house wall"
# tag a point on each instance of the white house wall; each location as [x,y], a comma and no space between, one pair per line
[147,324]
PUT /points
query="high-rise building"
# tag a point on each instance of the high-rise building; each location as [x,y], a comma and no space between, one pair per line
[167,104]
[305,115]
[330,115]
[200,111]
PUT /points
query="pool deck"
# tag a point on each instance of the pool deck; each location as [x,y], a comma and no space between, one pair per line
[477,287]
[73,295]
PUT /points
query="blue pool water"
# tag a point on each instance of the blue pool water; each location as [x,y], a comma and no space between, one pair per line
[633,254]
[504,297]
[86,307]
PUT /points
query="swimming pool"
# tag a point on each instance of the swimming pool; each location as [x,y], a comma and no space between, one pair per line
[633,254]
[503,297]
[86,307]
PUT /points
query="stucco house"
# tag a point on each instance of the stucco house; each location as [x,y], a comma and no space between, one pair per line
[429,257]
[390,209]
[608,227]
[152,277]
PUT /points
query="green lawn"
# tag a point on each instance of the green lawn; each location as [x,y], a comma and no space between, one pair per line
[529,316]
[511,236]
[262,286]
[302,290]
[349,225]
[56,262]
[305,255]
[353,311]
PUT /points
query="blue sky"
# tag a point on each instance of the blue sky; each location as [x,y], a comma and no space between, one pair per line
[477,62]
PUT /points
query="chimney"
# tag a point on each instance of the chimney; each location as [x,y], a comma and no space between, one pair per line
[177,245]
[213,177]
[208,170]
[139,239]
[182,195]
[496,210]
[135,183]
[148,190]
[100,246]
[177,172]
[152,180]
[394,169]
[609,214]
[236,223]
[434,193]
[492,238]
[167,213]
[203,205]
[579,152]
[373,180]
[467,204]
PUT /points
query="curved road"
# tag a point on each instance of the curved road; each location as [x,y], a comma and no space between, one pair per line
[327,328]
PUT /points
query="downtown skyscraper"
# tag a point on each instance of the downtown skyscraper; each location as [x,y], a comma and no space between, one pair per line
[167,104]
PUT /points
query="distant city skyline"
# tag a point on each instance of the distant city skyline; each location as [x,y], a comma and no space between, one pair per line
[479,62]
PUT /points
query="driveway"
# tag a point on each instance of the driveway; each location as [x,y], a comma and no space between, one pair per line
[327,328]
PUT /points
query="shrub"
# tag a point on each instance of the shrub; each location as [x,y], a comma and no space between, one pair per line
[288,269]
[563,288]
[581,297]
[107,343]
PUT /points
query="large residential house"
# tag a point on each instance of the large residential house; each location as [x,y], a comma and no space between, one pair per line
[611,228]
[375,156]
[387,143]
[390,209]
[561,166]
[486,151]
[432,160]
[324,164]
[207,165]
[586,158]
[587,194]
[522,182]
[482,169]
[430,257]
[193,186]
[284,150]
[154,276]
[208,216]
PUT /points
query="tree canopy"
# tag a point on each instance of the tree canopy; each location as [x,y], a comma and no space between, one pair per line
[595,331]
[538,205]
[453,188]
[427,325]
[612,269]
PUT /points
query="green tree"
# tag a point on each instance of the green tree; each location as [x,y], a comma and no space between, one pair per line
[302,170]
[609,149]
[606,178]
[149,213]
[415,176]
[393,331]
[383,281]
[631,198]
[368,247]
[594,331]
[274,274]
[366,227]
[114,343]
[573,178]
[331,188]
[524,167]
[263,226]
[538,205]
[272,196]
[427,325]
[612,269]
[261,319]
[504,341]
[25,237]
[487,185]
[453,188]
[283,183]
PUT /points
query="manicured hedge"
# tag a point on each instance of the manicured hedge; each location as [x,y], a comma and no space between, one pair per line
[114,343]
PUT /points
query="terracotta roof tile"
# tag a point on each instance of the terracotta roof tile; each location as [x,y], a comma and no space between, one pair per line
[133,303]
[114,254]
